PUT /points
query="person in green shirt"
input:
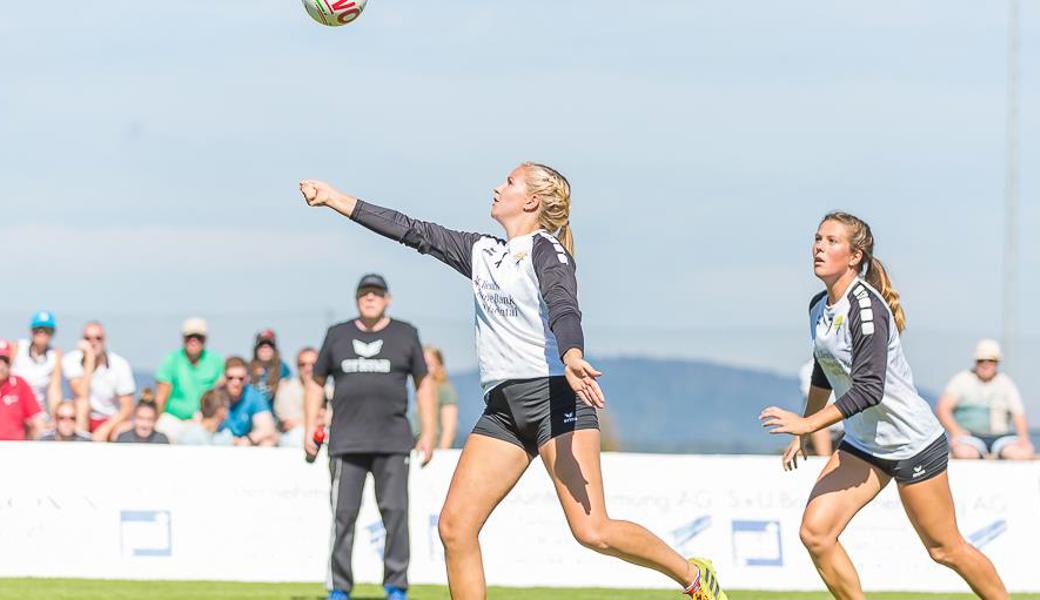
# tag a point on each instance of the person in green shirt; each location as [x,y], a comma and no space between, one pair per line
[183,377]
[447,398]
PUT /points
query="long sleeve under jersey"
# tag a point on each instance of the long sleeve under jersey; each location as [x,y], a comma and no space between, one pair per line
[858,353]
[525,291]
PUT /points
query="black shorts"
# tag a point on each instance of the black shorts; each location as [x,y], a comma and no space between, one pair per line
[922,466]
[530,412]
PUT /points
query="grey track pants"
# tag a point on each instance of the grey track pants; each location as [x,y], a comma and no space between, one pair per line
[390,472]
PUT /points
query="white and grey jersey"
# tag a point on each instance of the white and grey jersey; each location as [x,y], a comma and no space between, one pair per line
[525,292]
[858,354]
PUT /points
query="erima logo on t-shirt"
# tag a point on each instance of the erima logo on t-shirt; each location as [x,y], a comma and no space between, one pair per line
[366,364]
[367,350]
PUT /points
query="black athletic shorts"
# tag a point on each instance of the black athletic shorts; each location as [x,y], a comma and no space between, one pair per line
[530,412]
[924,465]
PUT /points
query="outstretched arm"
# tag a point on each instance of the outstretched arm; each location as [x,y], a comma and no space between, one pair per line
[451,247]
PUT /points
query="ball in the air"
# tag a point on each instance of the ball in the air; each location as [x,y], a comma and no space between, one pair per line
[334,12]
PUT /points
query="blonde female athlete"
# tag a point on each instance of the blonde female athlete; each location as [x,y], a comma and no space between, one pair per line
[890,431]
[541,394]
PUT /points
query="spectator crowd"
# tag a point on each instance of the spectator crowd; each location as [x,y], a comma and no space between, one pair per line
[200,397]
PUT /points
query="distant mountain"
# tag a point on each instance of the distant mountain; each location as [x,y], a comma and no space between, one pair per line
[666,405]
[674,405]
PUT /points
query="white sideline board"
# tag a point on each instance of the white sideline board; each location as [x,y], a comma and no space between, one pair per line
[116,511]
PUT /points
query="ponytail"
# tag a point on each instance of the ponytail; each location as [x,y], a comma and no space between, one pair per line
[554,192]
[878,277]
[566,238]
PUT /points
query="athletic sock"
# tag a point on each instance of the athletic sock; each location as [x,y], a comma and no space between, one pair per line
[696,585]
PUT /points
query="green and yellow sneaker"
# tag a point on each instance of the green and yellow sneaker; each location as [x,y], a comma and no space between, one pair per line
[706,585]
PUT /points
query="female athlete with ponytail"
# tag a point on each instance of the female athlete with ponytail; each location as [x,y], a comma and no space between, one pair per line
[541,394]
[890,431]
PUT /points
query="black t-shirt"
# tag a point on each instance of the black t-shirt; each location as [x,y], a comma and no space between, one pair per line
[370,370]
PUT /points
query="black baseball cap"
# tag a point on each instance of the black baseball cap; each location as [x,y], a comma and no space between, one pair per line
[373,280]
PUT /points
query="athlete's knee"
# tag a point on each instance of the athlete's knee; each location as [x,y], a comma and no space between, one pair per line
[454,531]
[592,536]
[949,555]
[816,539]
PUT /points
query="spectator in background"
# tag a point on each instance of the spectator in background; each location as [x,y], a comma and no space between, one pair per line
[20,414]
[39,363]
[371,359]
[214,409]
[266,370]
[249,417]
[288,402]
[979,408]
[146,414]
[447,398]
[184,376]
[824,441]
[65,425]
[103,384]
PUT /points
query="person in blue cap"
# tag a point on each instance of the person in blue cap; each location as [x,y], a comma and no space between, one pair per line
[38,362]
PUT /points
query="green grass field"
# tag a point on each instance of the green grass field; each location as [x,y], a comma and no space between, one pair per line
[93,589]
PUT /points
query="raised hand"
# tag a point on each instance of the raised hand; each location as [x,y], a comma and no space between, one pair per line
[317,193]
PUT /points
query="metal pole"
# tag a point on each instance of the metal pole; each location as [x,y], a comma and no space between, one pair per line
[1010,308]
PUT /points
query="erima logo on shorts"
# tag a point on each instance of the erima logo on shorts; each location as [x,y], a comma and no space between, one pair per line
[918,471]
[568,417]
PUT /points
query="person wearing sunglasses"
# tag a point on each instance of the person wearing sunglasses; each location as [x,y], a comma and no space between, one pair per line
[20,414]
[103,384]
[38,362]
[370,359]
[65,425]
[249,417]
[184,376]
[288,402]
[982,411]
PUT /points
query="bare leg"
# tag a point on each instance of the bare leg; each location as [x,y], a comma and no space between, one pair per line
[845,485]
[964,451]
[572,461]
[929,505]
[487,470]
[1020,450]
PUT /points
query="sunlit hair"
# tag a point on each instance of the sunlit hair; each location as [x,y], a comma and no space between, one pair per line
[861,238]
[212,400]
[554,192]
[234,362]
[441,375]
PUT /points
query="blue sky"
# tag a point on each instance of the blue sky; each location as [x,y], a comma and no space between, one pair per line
[150,154]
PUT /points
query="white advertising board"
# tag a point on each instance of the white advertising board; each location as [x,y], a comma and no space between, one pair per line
[251,514]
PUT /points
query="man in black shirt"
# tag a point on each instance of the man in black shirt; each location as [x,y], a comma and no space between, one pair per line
[370,359]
